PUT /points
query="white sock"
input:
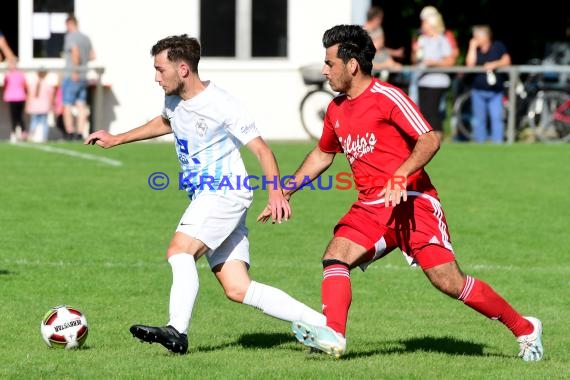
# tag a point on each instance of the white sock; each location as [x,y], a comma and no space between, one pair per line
[278,304]
[183,291]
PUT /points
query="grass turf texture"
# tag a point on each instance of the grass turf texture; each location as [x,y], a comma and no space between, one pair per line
[91,235]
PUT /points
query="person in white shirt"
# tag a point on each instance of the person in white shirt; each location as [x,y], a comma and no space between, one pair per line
[209,126]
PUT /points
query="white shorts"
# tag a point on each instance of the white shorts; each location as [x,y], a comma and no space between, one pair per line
[219,222]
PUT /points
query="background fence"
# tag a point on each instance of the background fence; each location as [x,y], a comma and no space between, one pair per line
[514,73]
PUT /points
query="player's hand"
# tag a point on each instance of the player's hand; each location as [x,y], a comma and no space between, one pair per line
[277,209]
[395,191]
[102,138]
[265,215]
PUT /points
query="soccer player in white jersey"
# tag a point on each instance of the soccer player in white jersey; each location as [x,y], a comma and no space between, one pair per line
[209,127]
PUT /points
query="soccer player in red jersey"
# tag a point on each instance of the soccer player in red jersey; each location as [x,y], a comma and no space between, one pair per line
[388,143]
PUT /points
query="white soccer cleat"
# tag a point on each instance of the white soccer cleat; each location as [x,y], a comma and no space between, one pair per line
[322,338]
[531,344]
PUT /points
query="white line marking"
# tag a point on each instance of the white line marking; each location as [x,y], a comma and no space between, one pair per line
[73,153]
[203,264]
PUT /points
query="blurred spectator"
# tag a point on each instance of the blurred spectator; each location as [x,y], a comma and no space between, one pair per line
[426,12]
[430,11]
[41,95]
[382,61]
[15,97]
[78,51]
[5,49]
[374,19]
[487,88]
[58,113]
[432,50]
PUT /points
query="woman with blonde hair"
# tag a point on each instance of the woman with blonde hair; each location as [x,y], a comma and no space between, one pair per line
[432,49]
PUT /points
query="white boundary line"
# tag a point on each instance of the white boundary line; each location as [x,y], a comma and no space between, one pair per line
[73,153]
[551,269]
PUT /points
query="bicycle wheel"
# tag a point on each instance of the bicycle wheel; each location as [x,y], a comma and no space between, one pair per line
[313,108]
[541,117]
[462,115]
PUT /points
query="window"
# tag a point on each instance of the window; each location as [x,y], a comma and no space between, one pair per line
[218,28]
[243,28]
[269,28]
[48,26]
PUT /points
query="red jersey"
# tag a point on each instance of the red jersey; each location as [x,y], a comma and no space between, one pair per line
[377,132]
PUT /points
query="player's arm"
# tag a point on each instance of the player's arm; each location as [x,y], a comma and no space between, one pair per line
[159,126]
[313,166]
[277,207]
[426,147]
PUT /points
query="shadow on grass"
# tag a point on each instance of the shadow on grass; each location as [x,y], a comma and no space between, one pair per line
[264,340]
[255,341]
[5,272]
[444,345]
[214,347]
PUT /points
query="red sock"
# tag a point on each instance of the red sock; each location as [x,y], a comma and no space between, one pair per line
[336,296]
[481,297]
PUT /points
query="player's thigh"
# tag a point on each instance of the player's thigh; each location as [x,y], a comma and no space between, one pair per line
[356,235]
[386,244]
[211,218]
[345,250]
[422,231]
[234,248]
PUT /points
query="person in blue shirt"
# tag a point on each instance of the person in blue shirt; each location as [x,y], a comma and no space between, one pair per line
[487,88]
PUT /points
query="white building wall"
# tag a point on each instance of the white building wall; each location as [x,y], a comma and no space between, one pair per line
[123,32]
[273,88]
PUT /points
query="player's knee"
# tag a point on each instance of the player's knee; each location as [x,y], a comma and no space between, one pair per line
[329,262]
[235,292]
[172,250]
[176,248]
[332,256]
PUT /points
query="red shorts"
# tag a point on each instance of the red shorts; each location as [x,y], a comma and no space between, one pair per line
[417,226]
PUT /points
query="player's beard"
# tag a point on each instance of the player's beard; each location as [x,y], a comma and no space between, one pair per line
[177,90]
[341,84]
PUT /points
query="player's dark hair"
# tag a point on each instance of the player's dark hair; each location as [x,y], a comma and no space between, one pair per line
[354,42]
[180,48]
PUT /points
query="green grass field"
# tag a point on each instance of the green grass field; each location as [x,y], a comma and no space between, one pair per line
[93,235]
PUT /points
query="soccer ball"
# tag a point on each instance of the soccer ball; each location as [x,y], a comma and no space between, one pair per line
[64,327]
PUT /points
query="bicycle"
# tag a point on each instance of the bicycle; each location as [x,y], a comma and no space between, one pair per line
[549,116]
[540,113]
[314,104]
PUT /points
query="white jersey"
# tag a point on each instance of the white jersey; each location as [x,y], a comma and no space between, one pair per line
[209,130]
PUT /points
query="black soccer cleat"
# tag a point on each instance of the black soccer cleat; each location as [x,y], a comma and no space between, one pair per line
[168,336]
